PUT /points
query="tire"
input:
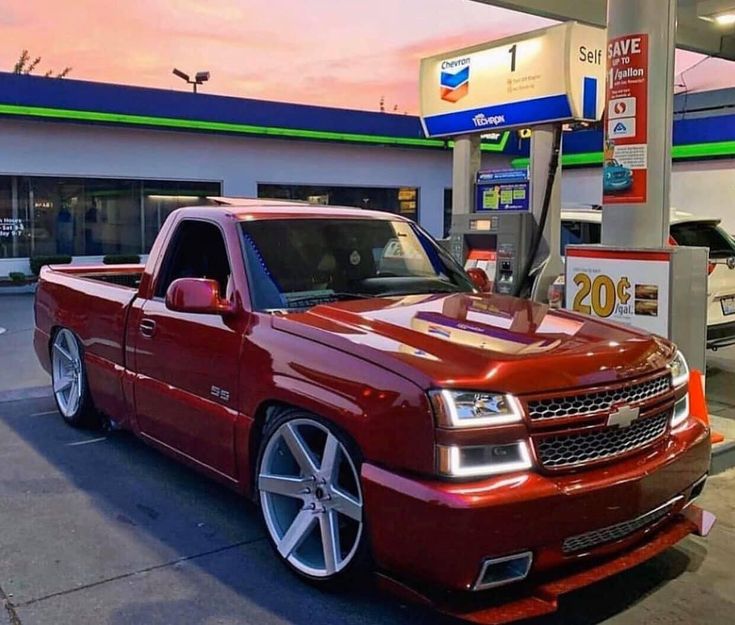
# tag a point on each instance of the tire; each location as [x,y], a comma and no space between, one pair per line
[69,381]
[304,502]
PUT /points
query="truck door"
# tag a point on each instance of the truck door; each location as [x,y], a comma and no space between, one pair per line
[187,364]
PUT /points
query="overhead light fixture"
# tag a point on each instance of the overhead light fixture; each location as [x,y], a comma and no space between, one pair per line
[721,12]
[199,78]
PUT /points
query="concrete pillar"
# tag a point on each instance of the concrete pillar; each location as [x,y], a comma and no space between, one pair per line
[646,224]
[465,165]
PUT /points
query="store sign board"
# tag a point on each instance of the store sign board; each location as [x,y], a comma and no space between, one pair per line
[629,287]
[553,74]
[626,121]
[503,189]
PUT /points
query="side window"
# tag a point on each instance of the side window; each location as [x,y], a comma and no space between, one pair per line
[594,233]
[571,234]
[197,250]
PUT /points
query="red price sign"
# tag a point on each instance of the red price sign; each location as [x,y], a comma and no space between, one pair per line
[626,121]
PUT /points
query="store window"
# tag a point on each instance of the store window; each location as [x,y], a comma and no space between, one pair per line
[447,212]
[88,216]
[161,198]
[15,221]
[398,200]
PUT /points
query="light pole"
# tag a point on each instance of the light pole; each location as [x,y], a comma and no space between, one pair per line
[199,78]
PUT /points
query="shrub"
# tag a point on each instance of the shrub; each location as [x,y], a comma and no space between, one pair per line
[121,259]
[37,262]
[18,277]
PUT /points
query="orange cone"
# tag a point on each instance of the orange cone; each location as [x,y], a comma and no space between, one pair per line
[698,403]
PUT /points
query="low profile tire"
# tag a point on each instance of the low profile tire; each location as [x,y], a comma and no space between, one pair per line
[311,500]
[69,381]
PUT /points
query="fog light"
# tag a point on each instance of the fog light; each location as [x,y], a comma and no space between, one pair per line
[481,460]
[500,571]
[681,411]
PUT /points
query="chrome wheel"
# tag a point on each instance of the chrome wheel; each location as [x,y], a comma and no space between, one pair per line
[311,498]
[67,373]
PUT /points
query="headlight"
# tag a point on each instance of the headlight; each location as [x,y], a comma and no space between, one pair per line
[482,460]
[679,370]
[470,409]
[681,411]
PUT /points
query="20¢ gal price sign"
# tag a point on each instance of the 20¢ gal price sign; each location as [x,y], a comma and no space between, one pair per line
[601,295]
[630,287]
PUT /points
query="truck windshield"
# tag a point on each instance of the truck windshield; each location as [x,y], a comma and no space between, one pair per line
[298,263]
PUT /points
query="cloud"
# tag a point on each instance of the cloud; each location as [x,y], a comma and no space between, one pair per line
[344,53]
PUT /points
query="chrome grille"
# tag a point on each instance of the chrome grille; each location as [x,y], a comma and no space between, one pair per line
[566,450]
[612,533]
[589,403]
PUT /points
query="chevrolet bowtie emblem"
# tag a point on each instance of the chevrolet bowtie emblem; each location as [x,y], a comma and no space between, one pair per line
[623,416]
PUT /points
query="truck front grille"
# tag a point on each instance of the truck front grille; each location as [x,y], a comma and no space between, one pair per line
[591,403]
[589,540]
[558,451]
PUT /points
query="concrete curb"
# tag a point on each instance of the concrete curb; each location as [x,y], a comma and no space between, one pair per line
[18,290]
[34,392]
[723,457]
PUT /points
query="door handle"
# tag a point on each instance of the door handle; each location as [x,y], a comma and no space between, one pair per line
[147,327]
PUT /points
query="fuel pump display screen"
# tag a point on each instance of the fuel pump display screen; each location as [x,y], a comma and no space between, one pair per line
[502,190]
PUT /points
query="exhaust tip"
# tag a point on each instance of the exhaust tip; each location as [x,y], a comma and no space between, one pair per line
[506,570]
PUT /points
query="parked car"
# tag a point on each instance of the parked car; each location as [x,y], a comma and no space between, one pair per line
[583,225]
[616,177]
[340,368]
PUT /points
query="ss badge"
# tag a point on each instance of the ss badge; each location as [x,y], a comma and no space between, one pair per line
[220,393]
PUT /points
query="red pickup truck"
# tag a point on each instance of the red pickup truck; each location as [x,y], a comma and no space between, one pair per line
[340,368]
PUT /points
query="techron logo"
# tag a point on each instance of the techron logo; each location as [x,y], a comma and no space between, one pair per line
[481,120]
[454,81]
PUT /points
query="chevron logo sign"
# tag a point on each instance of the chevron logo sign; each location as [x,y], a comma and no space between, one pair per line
[454,79]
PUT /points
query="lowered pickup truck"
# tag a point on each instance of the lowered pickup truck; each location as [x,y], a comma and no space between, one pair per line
[338,367]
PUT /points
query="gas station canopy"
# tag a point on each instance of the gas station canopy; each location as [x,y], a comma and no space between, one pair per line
[698,29]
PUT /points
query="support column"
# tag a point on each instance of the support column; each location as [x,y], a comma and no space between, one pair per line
[643,223]
[465,165]
[542,144]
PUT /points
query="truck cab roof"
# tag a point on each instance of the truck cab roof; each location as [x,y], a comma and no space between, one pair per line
[247,209]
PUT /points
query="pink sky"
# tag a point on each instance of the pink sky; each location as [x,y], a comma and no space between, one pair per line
[345,53]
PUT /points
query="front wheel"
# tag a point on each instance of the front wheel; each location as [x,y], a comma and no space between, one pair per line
[69,380]
[311,500]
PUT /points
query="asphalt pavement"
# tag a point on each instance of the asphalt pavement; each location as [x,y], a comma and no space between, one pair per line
[97,528]
[19,369]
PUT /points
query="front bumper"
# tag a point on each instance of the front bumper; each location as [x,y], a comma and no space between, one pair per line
[537,599]
[435,535]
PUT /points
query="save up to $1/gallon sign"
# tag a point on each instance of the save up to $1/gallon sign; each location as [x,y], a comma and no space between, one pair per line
[626,121]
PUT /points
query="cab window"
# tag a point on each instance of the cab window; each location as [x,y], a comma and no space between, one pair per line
[197,250]
[579,232]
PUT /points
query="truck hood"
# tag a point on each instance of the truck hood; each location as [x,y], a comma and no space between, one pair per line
[483,342]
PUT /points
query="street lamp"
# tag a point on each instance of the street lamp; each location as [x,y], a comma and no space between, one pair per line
[199,78]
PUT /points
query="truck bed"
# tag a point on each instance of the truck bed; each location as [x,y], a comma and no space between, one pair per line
[121,275]
[93,302]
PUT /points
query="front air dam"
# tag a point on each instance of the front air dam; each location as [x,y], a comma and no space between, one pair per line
[540,597]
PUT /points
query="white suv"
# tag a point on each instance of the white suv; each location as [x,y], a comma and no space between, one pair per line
[583,224]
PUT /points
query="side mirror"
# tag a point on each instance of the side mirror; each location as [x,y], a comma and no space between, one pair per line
[196,295]
[480,280]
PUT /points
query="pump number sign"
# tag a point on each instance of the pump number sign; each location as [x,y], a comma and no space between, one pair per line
[630,287]
[551,74]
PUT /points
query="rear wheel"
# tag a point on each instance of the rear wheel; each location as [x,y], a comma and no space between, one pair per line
[69,380]
[311,500]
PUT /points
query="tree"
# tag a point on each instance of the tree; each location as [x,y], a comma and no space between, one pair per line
[24,65]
